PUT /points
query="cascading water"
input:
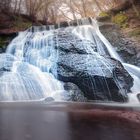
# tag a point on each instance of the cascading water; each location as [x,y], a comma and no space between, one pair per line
[19,79]
[28,69]
[133,70]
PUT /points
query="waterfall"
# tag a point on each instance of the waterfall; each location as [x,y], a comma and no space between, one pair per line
[28,69]
[133,70]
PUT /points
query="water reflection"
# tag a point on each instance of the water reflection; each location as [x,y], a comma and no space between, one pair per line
[67,121]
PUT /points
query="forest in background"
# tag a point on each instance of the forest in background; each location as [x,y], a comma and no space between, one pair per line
[18,15]
[53,11]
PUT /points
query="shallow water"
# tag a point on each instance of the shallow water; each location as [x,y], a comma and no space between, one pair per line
[68,121]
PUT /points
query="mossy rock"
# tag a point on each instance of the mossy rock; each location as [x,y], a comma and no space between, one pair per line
[120,19]
[103,16]
[135,32]
[4,41]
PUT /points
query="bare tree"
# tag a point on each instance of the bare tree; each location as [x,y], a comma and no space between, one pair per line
[48,11]
[33,7]
[5,5]
[19,6]
[135,8]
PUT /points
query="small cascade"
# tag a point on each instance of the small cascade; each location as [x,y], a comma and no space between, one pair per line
[135,73]
[41,61]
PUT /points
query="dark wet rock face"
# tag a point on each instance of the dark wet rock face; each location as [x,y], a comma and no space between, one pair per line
[2,50]
[99,77]
[70,43]
[126,48]
[73,93]
[5,39]
[138,96]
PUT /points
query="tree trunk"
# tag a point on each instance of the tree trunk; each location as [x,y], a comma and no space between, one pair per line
[84,8]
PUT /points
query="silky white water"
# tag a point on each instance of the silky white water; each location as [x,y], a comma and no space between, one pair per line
[23,77]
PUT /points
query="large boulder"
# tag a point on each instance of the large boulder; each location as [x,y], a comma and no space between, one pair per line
[99,77]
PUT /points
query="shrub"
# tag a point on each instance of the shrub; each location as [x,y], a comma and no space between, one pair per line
[120,19]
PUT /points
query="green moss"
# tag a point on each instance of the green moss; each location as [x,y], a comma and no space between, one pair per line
[104,14]
[120,19]
[135,32]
